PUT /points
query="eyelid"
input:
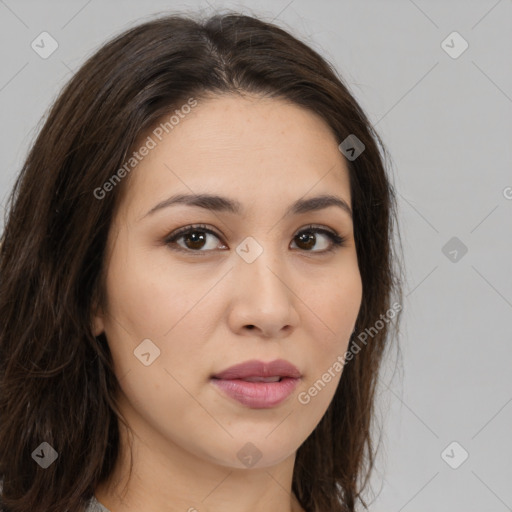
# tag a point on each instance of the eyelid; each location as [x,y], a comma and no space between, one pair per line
[187,229]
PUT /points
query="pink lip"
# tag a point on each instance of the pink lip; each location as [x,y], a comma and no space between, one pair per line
[258,395]
[254,368]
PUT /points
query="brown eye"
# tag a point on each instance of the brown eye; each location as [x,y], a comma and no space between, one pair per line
[195,238]
[307,239]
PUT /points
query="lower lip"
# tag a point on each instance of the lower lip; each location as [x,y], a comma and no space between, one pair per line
[258,395]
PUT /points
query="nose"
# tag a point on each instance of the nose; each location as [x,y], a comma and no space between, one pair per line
[264,298]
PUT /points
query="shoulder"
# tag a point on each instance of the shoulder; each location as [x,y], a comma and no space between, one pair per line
[94,506]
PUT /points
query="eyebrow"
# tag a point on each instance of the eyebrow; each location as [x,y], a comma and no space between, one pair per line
[225,204]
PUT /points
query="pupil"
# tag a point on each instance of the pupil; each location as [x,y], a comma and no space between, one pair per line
[308,238]
[197,238]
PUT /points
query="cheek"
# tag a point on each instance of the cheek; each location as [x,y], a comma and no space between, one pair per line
[334,302]
[151,301]
[176,310]
[147,297]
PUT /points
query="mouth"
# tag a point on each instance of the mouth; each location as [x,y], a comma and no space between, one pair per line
[261,379]
[258,385]
[255,369]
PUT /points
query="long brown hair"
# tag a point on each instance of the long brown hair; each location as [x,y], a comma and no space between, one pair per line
[57,383]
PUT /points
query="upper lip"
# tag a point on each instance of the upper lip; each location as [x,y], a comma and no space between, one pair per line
[254,368]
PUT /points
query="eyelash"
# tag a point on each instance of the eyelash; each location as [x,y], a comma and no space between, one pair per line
[336,240]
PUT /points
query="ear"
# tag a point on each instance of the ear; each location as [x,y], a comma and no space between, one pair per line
[98,323]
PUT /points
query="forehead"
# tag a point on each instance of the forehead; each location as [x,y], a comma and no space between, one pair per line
[243,147]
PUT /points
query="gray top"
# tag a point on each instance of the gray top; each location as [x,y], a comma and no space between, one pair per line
[95,506]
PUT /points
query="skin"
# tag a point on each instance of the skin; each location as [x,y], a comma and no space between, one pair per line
[196,308]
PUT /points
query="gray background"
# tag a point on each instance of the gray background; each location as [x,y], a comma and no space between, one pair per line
[447,123]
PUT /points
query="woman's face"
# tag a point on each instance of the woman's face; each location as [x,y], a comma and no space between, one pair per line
[256,284]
